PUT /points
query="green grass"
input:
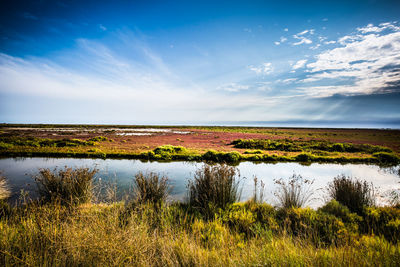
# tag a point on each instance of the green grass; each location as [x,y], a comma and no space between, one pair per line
[244,234]
[311,145]
[10,142]
[234,157]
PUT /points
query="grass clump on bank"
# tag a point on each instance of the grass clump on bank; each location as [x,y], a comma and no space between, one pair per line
[352,193]
[68,186]
[150,188]
[293,193]
[213,188]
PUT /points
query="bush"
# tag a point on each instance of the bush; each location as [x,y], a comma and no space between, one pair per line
[211,234]
[167,152]
[248,218]
[304,157]
[383,221]
[151,188]
[387,158]
[215,156]
[169,149]
[293,193]
[320,228]
[68,186]
[352,193]
[352,220]
[100,139]
[213,187]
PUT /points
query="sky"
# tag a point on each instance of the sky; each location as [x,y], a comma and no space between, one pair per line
[261,63]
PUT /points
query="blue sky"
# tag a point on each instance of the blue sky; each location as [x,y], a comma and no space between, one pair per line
[278,63]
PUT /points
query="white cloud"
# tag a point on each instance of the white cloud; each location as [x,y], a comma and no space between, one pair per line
[300,64]
[286,29]
[289,80]
[281,40]
[370,28]
[303,32]
[369,63]
[330,42]
[102,27]
[233,87]
[264,68]
[315,47]
[303,40]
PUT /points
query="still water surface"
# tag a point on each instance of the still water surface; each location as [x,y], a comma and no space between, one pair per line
[19,172]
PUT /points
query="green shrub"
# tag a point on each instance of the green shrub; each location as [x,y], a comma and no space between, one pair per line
[9,142]
[248,218]
[386,158]
[100,139]
[352,220]
[239,218]
[295,192]
[352,193]
[383,221]
[168,152]
[294,145]
[151,188]
[169,149]
[213,188]
[253,152]
[4,145]
[304,157]
[67,186]
[211,234]
[321,228]
[230,157]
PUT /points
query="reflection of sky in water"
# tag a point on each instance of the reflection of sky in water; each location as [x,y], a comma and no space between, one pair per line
[20,171]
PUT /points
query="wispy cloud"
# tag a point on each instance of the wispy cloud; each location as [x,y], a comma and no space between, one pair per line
[233,87]
[102,27]
[28,15]
[299,64]
[302,39]
[262,69]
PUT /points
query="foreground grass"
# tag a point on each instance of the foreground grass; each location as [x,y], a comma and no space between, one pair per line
[93,235]
[63,228]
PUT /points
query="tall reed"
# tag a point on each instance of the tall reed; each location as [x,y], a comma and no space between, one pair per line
[151,188]
[295,192]
[353,193]
[68,186]
[214,187]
